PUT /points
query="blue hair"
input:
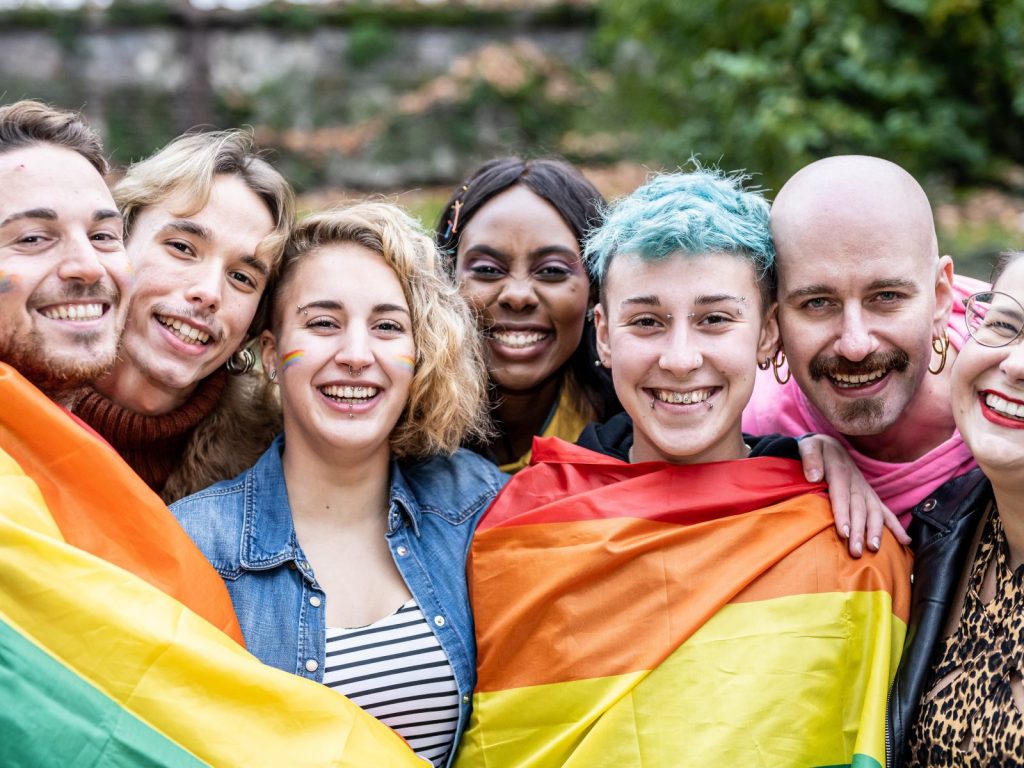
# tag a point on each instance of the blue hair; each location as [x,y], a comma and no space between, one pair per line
[705,211]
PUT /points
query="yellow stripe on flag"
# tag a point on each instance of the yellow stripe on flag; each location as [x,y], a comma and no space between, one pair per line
[170,668]
[806,676]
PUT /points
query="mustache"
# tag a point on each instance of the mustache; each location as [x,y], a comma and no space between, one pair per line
[96,292]
[822,366]
[189,313]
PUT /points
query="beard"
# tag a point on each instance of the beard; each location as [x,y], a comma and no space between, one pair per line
[59,375]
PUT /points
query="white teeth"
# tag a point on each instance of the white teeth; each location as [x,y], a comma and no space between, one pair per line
[684,398]
[184,331]
[350,393]
[74,312]
[518,339]
[996,403]
[855,381]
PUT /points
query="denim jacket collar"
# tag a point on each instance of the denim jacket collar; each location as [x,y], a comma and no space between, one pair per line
[268,533]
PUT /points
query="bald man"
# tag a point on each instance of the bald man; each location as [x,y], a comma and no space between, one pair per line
[871,318]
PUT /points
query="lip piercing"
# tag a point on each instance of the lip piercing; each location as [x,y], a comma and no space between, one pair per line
[709,404]
[351,415]
[652,403]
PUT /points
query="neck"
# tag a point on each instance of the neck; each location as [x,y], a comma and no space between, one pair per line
[520,414]
[1009,494]
[324,485]
[129,388]
[924,425]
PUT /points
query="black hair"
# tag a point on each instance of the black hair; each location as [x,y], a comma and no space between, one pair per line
[580,205]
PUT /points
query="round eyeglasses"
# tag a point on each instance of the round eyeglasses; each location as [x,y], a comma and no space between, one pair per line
[994,319]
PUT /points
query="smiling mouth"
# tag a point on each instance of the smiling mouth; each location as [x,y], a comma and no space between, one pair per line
[1004,407]
[74,311]
[350,395]
[859,380]
[682,398]
[518,339]
[184,331]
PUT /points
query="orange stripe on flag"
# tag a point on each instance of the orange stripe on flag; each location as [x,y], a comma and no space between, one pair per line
[102,506]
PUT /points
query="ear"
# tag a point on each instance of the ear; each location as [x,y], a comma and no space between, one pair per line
[769,343]
[944,296]
[268,351]
[604,347]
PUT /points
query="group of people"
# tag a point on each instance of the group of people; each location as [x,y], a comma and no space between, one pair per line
[559,483]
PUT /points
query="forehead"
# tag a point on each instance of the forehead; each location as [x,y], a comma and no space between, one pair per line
[680,279]
[348,272]
[47,176]
[1012,280]
[517,216]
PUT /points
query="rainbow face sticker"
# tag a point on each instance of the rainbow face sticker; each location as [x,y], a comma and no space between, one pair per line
[7,282]
[406,361]
[291,358]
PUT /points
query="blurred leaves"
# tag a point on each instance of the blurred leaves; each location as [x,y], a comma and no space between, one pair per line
[770,85]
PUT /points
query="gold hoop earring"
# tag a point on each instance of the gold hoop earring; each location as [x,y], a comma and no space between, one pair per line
[778,361]
[941,347]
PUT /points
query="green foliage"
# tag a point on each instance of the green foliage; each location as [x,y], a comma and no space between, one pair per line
[139,12]
[138,123]
[771,85]
[368,41]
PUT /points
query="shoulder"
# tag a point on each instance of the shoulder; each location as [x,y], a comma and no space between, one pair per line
[456,487]
[775,446]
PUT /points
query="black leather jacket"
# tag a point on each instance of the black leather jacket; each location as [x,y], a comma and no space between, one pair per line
[942,530]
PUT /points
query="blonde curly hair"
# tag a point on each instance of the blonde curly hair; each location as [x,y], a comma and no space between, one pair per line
[448,394]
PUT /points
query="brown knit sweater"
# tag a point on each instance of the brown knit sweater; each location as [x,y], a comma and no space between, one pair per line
[222,429]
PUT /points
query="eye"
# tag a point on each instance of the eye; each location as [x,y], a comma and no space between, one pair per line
[181,248]
[715,319]
[645,322]
[553,272]
[244,279]
[818,303]
[888,297]
[322,323]
[484,271]
[389,326]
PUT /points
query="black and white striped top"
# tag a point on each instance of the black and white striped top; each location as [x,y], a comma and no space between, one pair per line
[396,670]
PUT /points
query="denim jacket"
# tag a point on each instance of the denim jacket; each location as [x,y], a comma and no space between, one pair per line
[244,527]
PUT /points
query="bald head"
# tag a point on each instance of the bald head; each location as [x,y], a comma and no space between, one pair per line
[862,292]
[863,198]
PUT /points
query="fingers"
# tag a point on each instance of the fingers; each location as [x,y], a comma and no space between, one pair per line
[811,456]
[893,524]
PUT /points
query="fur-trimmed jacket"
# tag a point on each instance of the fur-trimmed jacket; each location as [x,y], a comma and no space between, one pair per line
[222,430]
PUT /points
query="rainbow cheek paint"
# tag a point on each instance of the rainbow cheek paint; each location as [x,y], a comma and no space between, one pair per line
[291,358]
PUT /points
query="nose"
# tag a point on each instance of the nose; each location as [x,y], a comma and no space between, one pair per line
[80,262]
[855,341]
[354,352]
[517,294]
[205,286]
[1012,365]
[682,354]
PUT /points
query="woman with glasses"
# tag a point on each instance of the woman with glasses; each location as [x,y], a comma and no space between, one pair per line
[958,699]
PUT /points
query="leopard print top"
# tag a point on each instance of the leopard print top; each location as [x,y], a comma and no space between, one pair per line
[969,717]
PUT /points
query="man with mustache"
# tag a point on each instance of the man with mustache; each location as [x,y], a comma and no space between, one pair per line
[206,220]
[871,319]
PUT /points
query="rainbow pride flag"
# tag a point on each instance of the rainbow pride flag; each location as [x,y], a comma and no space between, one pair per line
[118,644]
[658,615]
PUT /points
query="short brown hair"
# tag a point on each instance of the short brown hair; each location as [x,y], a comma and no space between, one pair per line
[27,123]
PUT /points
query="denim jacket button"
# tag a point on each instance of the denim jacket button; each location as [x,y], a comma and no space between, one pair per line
[315,601]
[311,665]
[465,698]
[402,551]
[439,621]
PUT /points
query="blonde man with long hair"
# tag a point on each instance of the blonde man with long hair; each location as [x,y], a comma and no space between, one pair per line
[206,222]
[344,547]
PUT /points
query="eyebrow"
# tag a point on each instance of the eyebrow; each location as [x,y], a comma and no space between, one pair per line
[256,264]
[701,301]
[189,228]
[337,306]
[878,285]
[49,214]
[546,250]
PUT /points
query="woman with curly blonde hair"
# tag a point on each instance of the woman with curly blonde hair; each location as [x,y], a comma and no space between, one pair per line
[344,547]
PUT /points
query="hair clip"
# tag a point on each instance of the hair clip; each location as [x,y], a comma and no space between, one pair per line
[453,223]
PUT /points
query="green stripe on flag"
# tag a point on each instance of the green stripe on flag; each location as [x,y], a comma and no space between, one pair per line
[51,716]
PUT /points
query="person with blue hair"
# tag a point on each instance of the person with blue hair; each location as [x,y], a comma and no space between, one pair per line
[670,590]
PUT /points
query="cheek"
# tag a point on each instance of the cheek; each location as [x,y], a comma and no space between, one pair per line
[478,296]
